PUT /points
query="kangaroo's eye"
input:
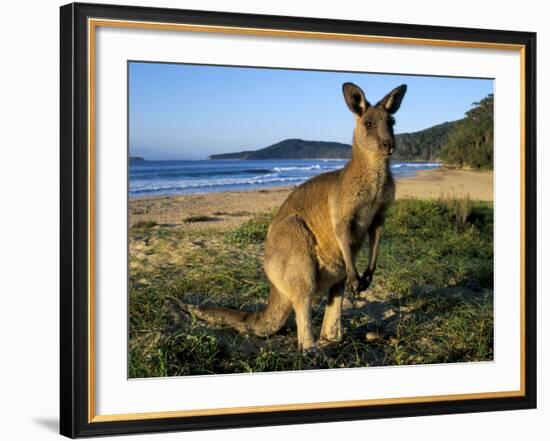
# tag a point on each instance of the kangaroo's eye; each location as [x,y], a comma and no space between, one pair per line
[368,124]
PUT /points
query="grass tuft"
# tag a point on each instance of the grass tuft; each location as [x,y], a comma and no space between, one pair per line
[199,218]
[144,224]
[252,231]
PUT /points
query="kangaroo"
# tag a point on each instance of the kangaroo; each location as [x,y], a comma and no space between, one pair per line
[314,239]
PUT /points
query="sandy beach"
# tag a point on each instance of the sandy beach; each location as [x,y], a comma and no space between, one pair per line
[229,209]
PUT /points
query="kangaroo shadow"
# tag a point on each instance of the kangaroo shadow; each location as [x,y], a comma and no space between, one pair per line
[370,324]
[384,311]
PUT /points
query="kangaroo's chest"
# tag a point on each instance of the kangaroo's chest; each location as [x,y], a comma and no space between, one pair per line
[364,215]
[362,221]
[368,205]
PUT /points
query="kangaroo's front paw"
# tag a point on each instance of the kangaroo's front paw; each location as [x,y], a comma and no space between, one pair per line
[352,286]
[365,282]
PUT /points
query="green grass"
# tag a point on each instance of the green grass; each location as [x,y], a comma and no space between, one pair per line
[431,300]
[252,231]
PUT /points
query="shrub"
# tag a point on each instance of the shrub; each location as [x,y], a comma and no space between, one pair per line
[458,210]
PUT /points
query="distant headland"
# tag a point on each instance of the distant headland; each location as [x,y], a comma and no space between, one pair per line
[423,145]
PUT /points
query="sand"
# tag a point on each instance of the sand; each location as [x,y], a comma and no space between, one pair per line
[229,209]
[446,182]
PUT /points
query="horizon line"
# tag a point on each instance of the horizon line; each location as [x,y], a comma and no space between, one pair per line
[130,155]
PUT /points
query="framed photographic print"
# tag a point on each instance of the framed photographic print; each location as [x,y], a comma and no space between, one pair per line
[273,220]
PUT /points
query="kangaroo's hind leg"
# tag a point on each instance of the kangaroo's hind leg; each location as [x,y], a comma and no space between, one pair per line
[331,329]
[302,309]
[291,268]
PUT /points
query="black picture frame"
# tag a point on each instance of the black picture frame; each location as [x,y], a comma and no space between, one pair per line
[74,191]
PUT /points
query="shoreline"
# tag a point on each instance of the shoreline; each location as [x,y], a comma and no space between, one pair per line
[229,209]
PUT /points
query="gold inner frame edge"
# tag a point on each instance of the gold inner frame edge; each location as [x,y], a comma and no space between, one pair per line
[92,24]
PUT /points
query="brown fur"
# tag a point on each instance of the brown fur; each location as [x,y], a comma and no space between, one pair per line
[314,238]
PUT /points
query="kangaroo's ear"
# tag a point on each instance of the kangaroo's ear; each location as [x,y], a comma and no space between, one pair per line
[392,101]
[355,98]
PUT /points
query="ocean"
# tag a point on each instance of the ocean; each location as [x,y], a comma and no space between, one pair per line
[163,178]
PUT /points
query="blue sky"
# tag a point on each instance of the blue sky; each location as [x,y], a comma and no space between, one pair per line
[179,111]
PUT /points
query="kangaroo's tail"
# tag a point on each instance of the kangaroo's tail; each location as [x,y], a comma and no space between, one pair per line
[263,323]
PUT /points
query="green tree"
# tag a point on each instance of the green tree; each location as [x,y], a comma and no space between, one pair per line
[470,143]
